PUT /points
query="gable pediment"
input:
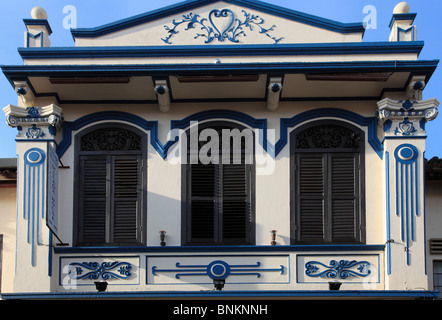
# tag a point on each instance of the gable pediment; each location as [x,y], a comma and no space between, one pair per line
[226,22]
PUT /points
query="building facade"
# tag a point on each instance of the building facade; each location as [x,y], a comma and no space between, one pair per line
[222,149]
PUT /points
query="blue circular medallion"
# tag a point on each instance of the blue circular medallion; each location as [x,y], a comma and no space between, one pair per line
[34,157]
[218,270]
[406,153]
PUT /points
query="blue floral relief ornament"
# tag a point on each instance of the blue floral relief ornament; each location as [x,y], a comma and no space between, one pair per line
[33,112]
[34,132]
[406,128]
[104,270]
[220,25]
[342,269]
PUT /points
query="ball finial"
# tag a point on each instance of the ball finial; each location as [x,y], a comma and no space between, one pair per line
[402,7]
[39,13]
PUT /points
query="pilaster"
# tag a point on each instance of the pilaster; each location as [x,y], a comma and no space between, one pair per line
[37,128]
[403,123]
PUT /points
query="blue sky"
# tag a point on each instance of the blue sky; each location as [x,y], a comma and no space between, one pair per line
[98,12]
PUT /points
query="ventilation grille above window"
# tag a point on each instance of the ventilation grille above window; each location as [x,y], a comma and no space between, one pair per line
[327,137]
[111,139]
[436,246]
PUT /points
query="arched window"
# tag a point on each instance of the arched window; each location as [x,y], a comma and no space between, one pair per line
[327,189]
[218,186]
[110,185]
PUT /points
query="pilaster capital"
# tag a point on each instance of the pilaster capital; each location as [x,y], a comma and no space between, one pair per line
[405,118]
[34,123]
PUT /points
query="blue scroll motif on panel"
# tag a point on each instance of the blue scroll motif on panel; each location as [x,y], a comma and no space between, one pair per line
[217,270]
[104,270]
[221,25]
[342,269]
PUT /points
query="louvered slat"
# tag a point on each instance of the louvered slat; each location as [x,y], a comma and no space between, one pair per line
[234,180]
[343,220]
[343,176]
[126,199]
[311,220]
[203,180]
[311,175]
[343,196]
[311,197]
[93,191]
[436,246]
[125,221]
[202,221]
[235,215]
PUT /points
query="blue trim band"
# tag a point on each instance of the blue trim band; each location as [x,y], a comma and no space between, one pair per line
[69,126]
[222,50]
[225,114]
[184,7]
[416,294]
[186,249]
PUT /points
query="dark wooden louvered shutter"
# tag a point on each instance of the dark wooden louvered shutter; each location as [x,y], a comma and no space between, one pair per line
[220,205]
[110,197]
[327,197]
[311,197]
[344,197]
[203,187]
[219,198]
[93,199]
[236,209]
[126,199]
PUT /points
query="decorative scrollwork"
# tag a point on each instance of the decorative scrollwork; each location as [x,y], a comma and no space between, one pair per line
[111,139]
[102,270]
[406,128]
[221,25]
[34,132]
[341,269]
[327,137]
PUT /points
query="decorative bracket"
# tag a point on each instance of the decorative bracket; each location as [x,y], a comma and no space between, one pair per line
[273,94]
[24,92]
[34,122]
[415,88]
[162,91]
[406,118]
